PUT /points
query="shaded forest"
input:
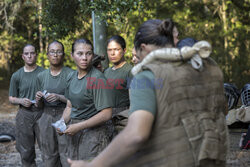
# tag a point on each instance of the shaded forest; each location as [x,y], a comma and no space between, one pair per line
[224,23]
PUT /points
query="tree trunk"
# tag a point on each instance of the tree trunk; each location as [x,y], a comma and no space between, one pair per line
[46,43]
[40,28]
[100,38]
[225,26]
[228,67]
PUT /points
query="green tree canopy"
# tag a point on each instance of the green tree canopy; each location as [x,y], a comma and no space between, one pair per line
[224,23]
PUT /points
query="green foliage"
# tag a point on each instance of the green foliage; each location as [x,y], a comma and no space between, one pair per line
[59,17]
[67,42]
[8,13]
[66,20]
[11,48]
[110,9]
[42,60]
[203,20]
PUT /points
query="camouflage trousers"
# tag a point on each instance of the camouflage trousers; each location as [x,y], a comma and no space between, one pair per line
[119,119]
[53,145]
[27,132]
[88,143]
[212,163]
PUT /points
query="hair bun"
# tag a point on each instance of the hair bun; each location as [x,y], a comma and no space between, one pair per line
[166,27]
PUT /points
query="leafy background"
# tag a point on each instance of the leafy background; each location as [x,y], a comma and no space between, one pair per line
[224,23]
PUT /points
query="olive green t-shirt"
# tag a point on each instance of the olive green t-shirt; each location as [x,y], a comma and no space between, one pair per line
[142,92]
[53,84]
[88,95]
[23,84]
[119,79]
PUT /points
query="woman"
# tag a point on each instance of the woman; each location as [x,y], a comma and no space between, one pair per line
[88,106]
[119,76]
[135,60]
[22,92]
[181,123]
[175,34]
[53,80]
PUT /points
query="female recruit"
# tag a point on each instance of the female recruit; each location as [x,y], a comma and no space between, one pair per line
[88,106]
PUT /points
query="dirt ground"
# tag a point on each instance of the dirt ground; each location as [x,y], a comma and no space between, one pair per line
[9,157]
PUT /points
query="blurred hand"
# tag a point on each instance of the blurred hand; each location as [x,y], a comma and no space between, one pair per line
[78,163]
[39,95]
[59,132]
[72,129]
[26,102]
[52,97]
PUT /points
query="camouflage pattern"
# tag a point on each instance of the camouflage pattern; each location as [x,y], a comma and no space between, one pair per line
[88,143]
[53,145]
[27,132]
[119,119]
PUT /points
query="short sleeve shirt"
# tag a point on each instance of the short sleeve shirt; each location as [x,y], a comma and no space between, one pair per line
[53,84]
[23,84]
[142,92]
[88,95]
[119,79]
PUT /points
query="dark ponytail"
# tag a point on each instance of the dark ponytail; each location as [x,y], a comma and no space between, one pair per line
[157,32]
[166,28]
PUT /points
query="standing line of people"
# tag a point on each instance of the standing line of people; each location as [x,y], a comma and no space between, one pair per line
[178,121]
[61,93]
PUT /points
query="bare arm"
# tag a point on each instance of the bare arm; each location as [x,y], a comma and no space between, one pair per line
[97,119]
[125,144]
[38,97]
[15,100]
[67,111]
[62,98]
[52,97]
[22,101]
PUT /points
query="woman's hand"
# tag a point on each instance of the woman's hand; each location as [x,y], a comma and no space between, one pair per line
[78,163]
[73,129]
[25,102]
[52,97]
[39,96]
